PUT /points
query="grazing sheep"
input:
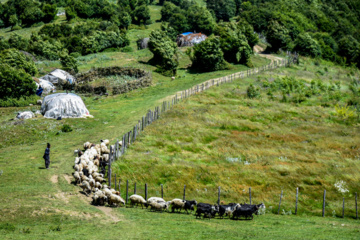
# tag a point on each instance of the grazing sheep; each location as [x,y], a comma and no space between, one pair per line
[155,199]
[92,183]
[100,179]
[107,192]
[115,200]
[77,177]
[137,199]
[97,162]
[77,160]
[98,185]
[177,204]
[158,206]
[104,149]
[106,142]
[84,178]
[86,187]
[87,145]
[99,198]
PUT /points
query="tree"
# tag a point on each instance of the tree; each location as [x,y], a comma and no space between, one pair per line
[165,52]
[348,47]
[307,46]
[18,41]
[251,36]
[141,14]
[68,62]
[49,11]
[180,23]
[234,44]
[201,20]
[15,82]
[207,56]
[278,36]
[18,60]
[223,9]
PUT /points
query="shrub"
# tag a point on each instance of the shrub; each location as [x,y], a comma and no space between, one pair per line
[66,128]
[307,46]
[15,83]
[165,52]
[207,55]
[252,92]
[68,62]
[18,60]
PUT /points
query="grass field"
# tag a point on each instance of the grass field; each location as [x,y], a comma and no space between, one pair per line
[216,138]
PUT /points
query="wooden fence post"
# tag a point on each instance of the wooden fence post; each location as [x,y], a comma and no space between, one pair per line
[162,191]
[280,201]
[115,182]
[119,189]
[218,202]
[127,191]
[297,198]
[323,210]
[184,192]
[146,192]
[134,188]
[250,194]
[343,212]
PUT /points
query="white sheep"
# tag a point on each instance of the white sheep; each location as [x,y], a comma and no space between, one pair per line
[77,177]
[177,204]
[158,206]
[115,200]
[99,198]
[98,185]
[106,141]
[107,192]
[137,199]
[87,145]
[155,199]
[86,187]
[77,160]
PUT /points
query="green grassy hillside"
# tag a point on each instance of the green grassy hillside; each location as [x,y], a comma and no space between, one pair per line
[222,138]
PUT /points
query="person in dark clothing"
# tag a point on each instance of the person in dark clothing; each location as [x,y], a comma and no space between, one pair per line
[39,91]
[47,156]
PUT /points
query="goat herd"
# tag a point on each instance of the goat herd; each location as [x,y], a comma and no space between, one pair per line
[87,175]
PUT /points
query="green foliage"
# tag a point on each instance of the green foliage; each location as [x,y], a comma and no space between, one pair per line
[141,14]
[222,9]
[19,42]
[18,60]
[26,12]
[252,92]
[333,24]
[15,83]
[234,43]
[48,49]
[278,36]
[165,52]
[188,17]
[307,46]
[66,128]
[207,56]
[68,62]
[23,101]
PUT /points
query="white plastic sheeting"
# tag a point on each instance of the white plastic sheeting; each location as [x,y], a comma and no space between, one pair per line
[64,105]
[59,76]
[46,85]
[25,115]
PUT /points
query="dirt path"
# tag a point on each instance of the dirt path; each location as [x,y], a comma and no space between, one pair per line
[109,213]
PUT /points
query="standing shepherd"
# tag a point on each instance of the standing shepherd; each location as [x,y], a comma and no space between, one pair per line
[47,156]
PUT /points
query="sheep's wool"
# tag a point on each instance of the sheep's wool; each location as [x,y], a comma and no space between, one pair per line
[64,105]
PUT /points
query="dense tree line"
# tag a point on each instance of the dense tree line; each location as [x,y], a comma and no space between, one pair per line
[327,29]
[25,13]
[82,38]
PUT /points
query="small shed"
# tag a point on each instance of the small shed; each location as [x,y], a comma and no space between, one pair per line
[59,77]
[64,105]
[190,39]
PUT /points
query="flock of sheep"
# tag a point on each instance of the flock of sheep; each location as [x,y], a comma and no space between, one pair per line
[91,180]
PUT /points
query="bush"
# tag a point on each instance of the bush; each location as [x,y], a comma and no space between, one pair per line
[15,83]
[68,62]
[18,60]
[207,56]
[165,52]
[252,92]
[66,128]
[307,46]
[21,102]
